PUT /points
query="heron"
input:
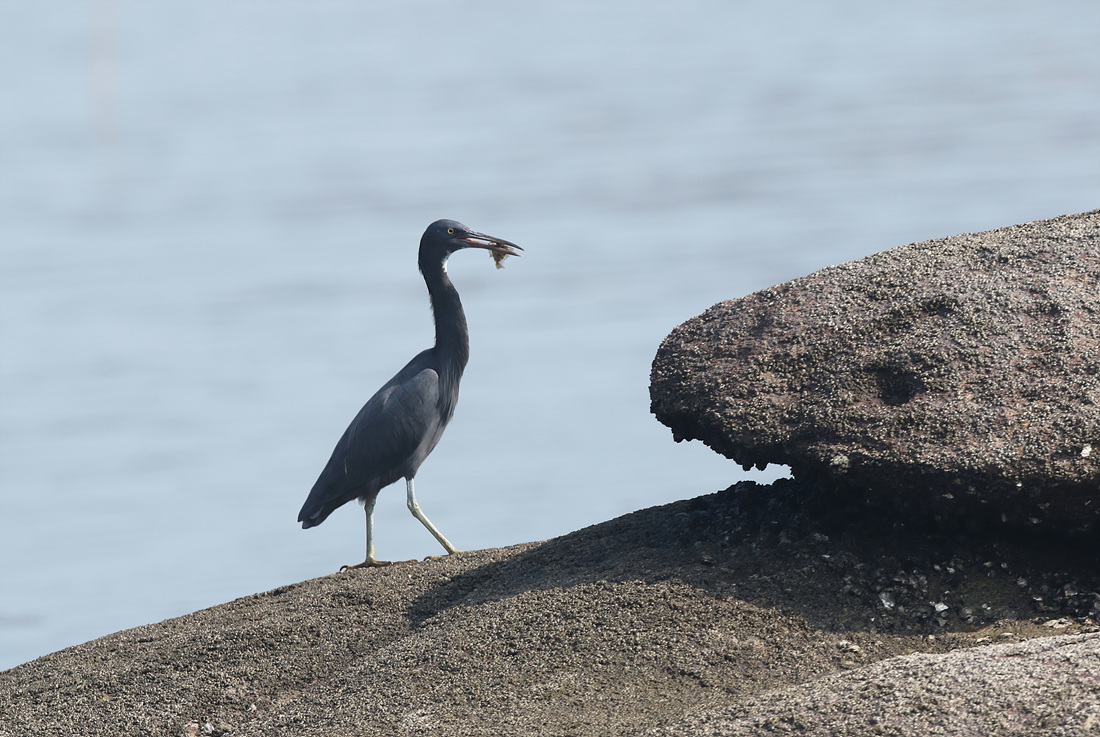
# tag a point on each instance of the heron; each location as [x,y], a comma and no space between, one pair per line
[400,425]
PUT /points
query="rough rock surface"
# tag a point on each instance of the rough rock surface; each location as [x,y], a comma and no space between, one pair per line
[958,377]
[952,694]
[745,611]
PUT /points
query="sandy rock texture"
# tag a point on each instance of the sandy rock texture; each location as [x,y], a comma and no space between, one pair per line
[960,693]
[734,613]
[958,377]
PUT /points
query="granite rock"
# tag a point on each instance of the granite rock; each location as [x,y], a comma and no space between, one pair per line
[957,377]
[975,692]
[706,616]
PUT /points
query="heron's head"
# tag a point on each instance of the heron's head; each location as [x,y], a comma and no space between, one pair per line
[444,237]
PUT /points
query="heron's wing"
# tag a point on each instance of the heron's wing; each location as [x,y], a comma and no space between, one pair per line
[378,444]
[386,432]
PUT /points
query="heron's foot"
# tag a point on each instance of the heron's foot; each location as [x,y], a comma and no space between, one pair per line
[438,557]
[372,563]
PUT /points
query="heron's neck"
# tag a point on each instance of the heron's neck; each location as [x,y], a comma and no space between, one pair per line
[452,337]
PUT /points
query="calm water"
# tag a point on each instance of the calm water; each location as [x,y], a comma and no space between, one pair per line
[209,214]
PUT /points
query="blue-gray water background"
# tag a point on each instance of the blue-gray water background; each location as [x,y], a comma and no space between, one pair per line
[209,214]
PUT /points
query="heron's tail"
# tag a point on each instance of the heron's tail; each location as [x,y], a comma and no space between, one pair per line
[325,498]
[312,514]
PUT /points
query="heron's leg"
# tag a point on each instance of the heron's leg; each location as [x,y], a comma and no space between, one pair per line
[371,561]
[415,509]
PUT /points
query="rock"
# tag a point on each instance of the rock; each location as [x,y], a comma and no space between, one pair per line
[951,694]
[697,610]
[958,377]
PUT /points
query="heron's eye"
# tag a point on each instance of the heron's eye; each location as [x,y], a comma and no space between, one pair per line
[450,231]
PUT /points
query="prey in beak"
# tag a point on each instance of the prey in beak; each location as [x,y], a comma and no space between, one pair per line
[499,249]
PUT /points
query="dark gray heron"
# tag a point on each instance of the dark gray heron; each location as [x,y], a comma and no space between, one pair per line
[400,425]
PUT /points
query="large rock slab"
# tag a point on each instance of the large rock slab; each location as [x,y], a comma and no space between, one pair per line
[958,376]
[686,614]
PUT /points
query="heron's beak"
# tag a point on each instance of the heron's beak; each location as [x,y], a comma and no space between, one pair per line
[500,248]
